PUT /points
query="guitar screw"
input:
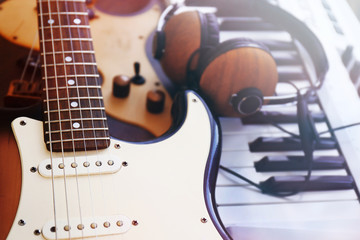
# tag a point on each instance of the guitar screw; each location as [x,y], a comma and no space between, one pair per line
[48,167]
[194,100]
[21,222]
[203,220]
[22,123]
[135,223]
[37,232]
[33,169]
[117,146]
[125,164]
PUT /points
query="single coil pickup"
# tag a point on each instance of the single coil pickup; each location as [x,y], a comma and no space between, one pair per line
[79,165]
[77,228]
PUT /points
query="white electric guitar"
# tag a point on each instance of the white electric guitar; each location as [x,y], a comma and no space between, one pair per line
[78,183]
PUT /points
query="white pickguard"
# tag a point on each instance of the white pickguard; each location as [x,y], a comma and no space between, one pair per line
[162,186]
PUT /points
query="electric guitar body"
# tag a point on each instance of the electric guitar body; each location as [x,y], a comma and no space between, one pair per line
[158,190]
[78,183]
[120,40]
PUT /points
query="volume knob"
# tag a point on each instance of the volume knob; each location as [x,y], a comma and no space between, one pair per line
[155,101]
[121,86]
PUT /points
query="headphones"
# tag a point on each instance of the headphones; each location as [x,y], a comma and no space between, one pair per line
[236,74]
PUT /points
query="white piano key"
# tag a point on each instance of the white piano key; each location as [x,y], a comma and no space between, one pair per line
[289,214]
[227,179]
[246,195]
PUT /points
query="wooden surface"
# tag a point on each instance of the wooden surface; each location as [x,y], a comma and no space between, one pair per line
[182,38]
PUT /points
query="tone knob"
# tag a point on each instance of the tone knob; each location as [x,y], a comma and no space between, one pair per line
[121,86]
[155,101]
[137,79]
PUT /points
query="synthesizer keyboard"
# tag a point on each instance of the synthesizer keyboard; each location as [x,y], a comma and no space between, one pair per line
[316,214]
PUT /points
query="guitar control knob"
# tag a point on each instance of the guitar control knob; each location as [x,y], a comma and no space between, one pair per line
[121,86]
[137,79]
[155,101]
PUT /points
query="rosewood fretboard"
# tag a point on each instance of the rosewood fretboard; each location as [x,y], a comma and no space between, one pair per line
[74,115]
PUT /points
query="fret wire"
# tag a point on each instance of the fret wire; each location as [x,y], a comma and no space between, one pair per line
[79,139]
[59,52]
[77,75]
[75,119]
[66,39]
[65,13]
[65,26]
[54,1]
[81,86]
[73,98]
[79,109]
[77,130]
[70,64]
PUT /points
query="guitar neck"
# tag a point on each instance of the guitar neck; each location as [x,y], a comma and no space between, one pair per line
[74,114]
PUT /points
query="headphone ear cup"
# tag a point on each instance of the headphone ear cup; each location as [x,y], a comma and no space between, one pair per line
[237,66]
[184,34]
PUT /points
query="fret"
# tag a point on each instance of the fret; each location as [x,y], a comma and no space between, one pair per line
[72,76]
[71,98]
[46,1]
[64,13]
[70,64]
[62,33]
[61,52]
[76,57]
[68,70]
[78,139]
[66,26]
[76,87]
[78,130]
[68,46]
[66,39]
[60,6]
[80,109]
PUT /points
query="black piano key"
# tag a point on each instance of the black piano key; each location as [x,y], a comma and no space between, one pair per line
[295,163]
[275,144]
[289,58]
[287,75]
[276,45]
[266,117]
[283,184]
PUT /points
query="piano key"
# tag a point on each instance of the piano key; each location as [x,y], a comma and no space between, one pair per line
[227,179]
[264,144]
[293,163]
[291,214]
[238,158]
[278,184]
[266,117]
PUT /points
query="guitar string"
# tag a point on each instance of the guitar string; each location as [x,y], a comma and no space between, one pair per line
[80,104]
[100,101]
[67,23]
[40,5]
[114,193]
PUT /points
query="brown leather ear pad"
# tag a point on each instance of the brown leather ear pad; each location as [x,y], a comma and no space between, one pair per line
[184,34]
[235,65]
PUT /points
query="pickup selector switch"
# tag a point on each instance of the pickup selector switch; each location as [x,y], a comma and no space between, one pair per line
[137,79]
[155,101]
[121,86]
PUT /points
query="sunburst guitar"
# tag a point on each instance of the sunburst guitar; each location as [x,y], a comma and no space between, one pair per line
[77,182]
[121,32]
